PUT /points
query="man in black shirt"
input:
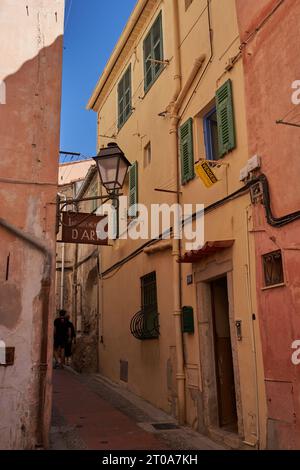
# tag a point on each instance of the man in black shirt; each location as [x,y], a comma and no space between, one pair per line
[62,334]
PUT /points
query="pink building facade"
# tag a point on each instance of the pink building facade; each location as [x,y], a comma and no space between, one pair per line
[30,73]
[269,33]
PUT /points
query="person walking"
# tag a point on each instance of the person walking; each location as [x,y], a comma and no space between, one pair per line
[70,342]
[62,335]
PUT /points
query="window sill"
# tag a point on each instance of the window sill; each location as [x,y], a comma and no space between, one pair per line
[121,127]
[152,83]
[282,284]
[191,178]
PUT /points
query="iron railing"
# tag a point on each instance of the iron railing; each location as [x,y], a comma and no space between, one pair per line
[145,325]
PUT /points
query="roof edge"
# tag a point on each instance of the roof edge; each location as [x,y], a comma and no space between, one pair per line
[134,17]
[87,180]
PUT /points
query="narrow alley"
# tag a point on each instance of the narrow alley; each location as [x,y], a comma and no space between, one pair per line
[89,413]
[149,232]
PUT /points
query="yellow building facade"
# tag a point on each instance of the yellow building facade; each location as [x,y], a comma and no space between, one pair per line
[172,95]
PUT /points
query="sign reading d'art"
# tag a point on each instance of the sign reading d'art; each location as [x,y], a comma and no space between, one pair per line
[79,227]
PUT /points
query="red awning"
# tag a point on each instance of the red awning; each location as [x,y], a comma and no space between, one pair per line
[208,248]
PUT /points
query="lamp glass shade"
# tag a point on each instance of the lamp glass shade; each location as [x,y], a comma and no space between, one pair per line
[108,168]
[123,167]
[112,167]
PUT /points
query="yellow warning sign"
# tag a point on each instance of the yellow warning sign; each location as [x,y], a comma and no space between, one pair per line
[206,174]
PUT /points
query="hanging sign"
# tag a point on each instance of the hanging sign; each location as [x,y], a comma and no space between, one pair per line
[206,174]
[79,227]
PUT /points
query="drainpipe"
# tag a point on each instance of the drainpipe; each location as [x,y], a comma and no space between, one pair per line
[42,436]
[180,373]
[252,331]
[196,67]
[62,275]
[173,112]
[173,107]
[75,287]
[176,52]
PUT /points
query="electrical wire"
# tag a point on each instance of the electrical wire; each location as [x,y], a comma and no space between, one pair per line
[290,111]
[271,219]
[192,27]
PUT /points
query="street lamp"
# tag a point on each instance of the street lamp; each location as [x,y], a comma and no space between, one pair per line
[112,167]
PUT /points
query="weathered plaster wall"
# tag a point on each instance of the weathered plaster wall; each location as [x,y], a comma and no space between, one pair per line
[271,64]
[30,50]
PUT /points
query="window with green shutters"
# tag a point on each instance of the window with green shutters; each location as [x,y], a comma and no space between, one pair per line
[124,98]
[149,305]
[225,119]
[153,51]
[133,189]
[187,151]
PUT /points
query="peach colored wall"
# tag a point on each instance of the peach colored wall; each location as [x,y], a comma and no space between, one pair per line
[152,366]
[31,52]
[271,64]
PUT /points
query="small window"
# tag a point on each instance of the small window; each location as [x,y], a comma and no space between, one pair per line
[124,98]
[273,270]
[123,370]
[188,3]
[149,304]
[153,53]
[147,155]
[210,127]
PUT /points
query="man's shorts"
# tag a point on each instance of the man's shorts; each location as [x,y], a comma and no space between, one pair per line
[59,343]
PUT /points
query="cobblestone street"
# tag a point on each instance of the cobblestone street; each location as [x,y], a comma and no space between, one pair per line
[90,413]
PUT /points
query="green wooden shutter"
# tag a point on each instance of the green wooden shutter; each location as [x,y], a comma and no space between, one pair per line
[187,319]
[124,97]
[133,189]
[187,151]
[153,49]
[147,63]
[225,118]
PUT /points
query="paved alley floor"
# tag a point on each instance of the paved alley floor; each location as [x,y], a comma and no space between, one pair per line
[91,413]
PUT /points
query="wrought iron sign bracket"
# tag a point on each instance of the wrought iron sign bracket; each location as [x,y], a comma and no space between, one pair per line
[62,205]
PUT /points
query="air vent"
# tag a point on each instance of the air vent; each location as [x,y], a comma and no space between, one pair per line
[124,370]
[165,426]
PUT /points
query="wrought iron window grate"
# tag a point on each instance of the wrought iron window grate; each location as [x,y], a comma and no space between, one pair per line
[273,269]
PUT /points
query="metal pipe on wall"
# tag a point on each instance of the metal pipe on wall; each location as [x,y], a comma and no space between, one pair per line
[62,275]
[179,95]
[252,331]
[180,373]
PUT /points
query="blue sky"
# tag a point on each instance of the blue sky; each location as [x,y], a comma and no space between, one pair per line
[92,28]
